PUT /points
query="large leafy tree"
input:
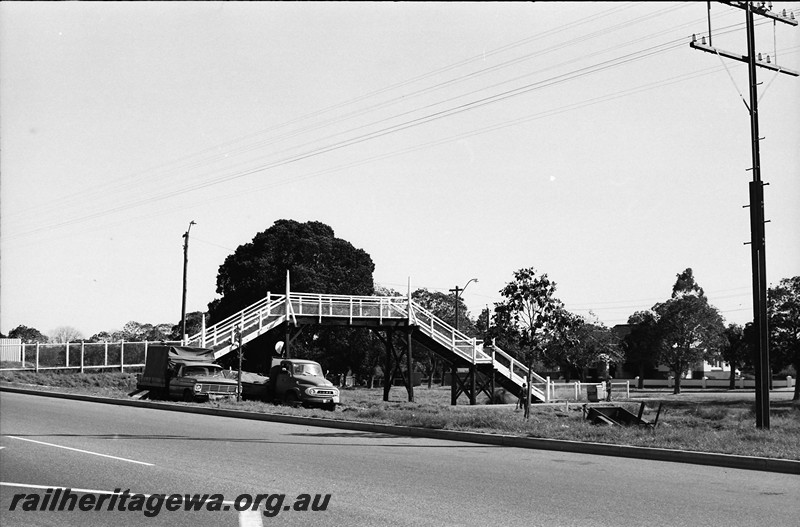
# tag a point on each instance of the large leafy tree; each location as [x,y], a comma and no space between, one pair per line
[318,263]
[642,345]
[317,260]
[735,350]
[689,327]
[529,314]
[783,309]
[28,335]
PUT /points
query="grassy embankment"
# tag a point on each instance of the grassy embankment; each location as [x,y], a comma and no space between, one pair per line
[722,422]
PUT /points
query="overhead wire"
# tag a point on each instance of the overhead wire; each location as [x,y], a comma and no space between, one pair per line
[114,183]
[134,183]
[414,122]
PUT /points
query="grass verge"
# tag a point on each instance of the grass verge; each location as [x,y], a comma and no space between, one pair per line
[720,422]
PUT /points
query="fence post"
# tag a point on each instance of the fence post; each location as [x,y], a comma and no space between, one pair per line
[122,355]
[627,389]
[66,355]
[82,351]
[577,391]
[547,390]
[23,355]
[145,351]
[37,358]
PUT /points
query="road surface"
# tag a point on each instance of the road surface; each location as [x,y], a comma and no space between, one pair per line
[372,479]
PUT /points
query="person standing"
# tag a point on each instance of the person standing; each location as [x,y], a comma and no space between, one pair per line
[521,398]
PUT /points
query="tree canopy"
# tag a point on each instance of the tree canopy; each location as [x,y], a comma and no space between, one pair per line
[578,344]
[689,327]
[529,314]
[783,309]
[642,345]
[28,335]
[317,260]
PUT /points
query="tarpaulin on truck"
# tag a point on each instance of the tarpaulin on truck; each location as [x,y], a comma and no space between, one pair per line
[159,359]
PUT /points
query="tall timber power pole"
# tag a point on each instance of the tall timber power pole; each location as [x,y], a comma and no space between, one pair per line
[757,237]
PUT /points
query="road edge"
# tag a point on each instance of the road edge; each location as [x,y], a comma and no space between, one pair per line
[784,466]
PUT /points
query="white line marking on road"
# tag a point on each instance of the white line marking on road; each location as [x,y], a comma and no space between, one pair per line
[250,519]
[94,491]
[49,487]
[83,451]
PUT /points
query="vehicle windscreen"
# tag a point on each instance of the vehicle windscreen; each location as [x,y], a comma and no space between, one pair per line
[308,369]
[200,371]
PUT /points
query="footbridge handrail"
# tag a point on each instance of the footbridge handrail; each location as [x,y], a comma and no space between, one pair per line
[518,372]
[273,310]
[468,348]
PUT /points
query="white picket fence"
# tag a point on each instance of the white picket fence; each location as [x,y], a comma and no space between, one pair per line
[79,356]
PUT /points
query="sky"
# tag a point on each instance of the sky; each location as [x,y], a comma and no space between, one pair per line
[450,141]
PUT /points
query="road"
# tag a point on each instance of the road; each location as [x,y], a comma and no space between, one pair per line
[373,479]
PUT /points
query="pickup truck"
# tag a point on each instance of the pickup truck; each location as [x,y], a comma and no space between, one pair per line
[184,373]
[300,382]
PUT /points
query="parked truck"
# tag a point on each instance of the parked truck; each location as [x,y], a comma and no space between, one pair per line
[184,373]
[299,381]
[291,381]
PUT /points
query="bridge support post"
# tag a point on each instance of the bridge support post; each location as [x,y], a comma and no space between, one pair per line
[393,364]
[409,367]
[473,373]
[454,380]
[388,373]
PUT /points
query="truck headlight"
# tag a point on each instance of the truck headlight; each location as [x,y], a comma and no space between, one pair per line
[198,387]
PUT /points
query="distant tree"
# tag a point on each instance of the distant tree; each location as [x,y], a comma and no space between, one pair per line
[642,346]
[564,349]
[578,345]
[689,327]
[194,324]
[686,285]
[734,350]
[28,335]
[530,310]
[102,336]
[317,260]
[159,332]
[783,309]
[444,307]
[134,331]
[64,334]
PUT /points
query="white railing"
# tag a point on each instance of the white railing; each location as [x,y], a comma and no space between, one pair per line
[468,348]
[251,321]
[80,356]
[273,310]
[517,372]
[348,307]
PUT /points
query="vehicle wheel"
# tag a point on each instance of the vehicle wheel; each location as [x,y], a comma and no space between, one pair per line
[188,396]
[291,399]
[330,407]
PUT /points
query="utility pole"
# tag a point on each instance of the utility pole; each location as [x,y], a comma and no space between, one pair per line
[185,268]
[757,235]
[454,368]
[458,290]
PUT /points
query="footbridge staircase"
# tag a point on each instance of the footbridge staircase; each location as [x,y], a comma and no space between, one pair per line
[472,360]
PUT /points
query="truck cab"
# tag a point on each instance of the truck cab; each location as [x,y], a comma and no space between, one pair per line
[298,381]
[199,380]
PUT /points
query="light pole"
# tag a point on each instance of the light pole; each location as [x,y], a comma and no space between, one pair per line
[185,267]
[458,290]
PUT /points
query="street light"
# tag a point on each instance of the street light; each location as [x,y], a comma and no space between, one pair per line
[458,290]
